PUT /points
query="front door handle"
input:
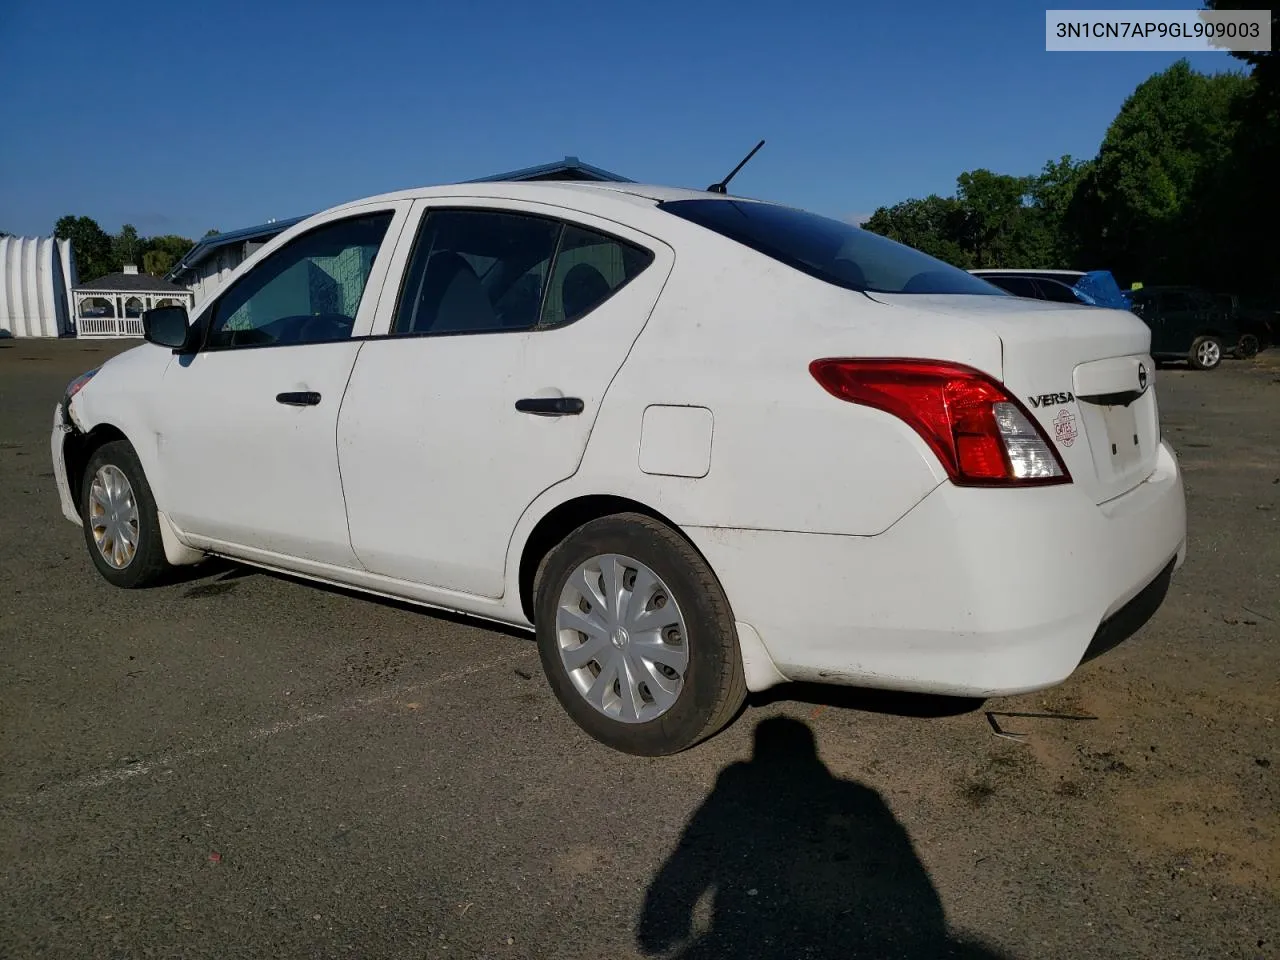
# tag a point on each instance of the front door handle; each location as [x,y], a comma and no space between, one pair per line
[302,398]
[551,406]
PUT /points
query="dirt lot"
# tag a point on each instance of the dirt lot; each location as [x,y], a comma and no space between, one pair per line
[240,765]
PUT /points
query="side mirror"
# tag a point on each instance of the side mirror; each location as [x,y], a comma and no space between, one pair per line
[165,326]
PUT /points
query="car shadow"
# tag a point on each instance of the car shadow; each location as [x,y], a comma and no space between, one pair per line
[796,862]
[890,702]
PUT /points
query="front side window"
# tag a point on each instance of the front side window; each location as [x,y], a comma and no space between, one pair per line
[308,291]
[482,271]
[835,252]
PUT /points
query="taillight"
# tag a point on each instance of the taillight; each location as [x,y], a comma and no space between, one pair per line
[982,435]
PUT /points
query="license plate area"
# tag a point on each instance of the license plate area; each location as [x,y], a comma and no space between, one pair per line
[1123,441]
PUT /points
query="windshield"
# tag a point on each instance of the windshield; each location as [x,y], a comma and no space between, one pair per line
[830,250]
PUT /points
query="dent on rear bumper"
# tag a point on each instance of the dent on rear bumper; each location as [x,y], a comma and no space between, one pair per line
[974,592]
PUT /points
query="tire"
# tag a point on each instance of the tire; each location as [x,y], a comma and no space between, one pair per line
[1248,347]
[129,508]
[686,709]
[1205,353]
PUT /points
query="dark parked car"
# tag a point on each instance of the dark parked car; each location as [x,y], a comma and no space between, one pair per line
[1095,288]
[1189,323]
[1256,318]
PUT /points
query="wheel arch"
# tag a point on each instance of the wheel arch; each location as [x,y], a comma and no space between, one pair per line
[566,516]
[78,447]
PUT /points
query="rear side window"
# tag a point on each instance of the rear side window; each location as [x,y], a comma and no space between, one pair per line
[1057,291]
[481,271]
[589,268]
[838,253]
[1018,286]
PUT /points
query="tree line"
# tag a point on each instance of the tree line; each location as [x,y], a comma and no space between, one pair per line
[1182,190]
[98,253]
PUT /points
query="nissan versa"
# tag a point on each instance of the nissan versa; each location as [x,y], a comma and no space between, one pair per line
[700,444]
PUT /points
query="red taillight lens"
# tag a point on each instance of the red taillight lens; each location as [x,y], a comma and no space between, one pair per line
[982,435]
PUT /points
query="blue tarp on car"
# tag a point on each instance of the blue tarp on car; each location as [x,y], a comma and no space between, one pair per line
[1098,288]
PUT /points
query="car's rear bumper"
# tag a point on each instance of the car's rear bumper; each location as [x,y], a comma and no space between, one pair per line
[57,449]
[973,592]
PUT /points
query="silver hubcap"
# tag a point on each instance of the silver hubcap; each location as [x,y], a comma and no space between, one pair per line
[113,516]
[1209,354]
[622,638]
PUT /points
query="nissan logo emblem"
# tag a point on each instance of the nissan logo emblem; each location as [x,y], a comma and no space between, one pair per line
[1142,376]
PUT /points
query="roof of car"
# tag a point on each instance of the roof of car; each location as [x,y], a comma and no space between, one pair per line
[553,191]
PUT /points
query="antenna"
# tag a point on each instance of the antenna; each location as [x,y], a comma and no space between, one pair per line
[721,187]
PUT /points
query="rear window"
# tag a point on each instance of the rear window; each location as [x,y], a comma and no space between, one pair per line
[836,252]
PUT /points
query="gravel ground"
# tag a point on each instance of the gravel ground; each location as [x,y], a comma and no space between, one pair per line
[241,765]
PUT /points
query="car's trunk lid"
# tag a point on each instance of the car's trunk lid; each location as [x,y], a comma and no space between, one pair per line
[1084,373]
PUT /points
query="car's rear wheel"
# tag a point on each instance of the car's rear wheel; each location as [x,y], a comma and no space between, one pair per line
[121,527]
[636,636]
[1206,353]
[1248,347]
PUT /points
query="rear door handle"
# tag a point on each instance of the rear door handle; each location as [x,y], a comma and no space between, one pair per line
[302,398]
[551,406]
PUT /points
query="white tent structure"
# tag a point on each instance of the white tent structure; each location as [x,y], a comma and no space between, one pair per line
[36,277]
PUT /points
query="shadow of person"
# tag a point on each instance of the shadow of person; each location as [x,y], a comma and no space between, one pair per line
[799,864]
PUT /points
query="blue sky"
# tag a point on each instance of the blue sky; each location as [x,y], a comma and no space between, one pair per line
[177,118]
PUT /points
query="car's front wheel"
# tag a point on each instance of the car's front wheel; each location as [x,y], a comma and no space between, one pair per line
[636,636]
[121,527]
[1206,353]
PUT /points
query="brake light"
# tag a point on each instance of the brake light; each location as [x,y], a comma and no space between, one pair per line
[980,432]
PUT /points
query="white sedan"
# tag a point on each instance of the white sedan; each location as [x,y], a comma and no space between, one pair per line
[700,444]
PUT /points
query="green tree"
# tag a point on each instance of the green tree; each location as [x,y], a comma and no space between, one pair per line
[90,244]
[212,233]
[1052,193]
[1266,68]
[1249,190]
[932,225]
[127,245]
[157,262]
[1156,160]
[161,253]
[998,230]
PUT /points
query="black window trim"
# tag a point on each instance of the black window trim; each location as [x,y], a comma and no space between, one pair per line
[204,321]
[453,207]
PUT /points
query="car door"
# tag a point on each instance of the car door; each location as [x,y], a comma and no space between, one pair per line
[246,450]
[1176,323]
[511,321]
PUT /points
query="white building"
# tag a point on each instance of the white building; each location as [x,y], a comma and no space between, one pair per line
[36,278]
